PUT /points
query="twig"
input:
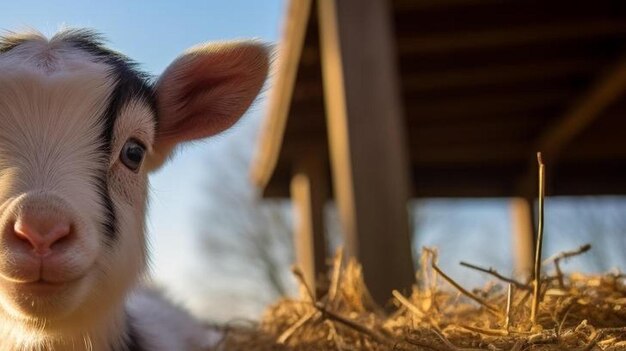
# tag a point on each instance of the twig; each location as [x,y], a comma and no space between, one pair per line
[565,315]
[300,276]
[410,306]
[495,273]
[616,330]
[537,272]
[352,324]
[446,341]
[592,342]
[458,286]
[559,274]
[491,332]
[525,296]
[336,278]
[450,345]
[426,344]
[567,254]
[297,325]
[518,345]
[564,255]
[509,301]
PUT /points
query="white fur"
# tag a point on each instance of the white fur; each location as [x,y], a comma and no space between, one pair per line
[50,98]
[164,326]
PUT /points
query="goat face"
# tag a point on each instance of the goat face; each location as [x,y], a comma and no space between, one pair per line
[80,129]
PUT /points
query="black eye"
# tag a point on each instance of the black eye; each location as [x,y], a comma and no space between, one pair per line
[132,154]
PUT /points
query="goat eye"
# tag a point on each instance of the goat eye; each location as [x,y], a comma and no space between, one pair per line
[132,154]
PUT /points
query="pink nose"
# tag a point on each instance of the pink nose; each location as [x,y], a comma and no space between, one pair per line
[41,232]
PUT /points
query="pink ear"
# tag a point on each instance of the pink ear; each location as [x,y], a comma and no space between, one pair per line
[205,91]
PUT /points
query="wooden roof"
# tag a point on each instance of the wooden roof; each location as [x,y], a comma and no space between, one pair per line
[485,84]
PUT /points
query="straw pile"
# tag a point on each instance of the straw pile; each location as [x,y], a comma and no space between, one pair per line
[575,312]
[551,312]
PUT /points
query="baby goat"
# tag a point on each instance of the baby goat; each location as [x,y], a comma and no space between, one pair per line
[80,129]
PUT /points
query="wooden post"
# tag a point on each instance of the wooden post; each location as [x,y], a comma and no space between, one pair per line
[367,139]
[309,193]
[523,224]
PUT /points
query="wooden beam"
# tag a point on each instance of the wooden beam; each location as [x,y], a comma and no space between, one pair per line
[285,71]
[471,105]
[487,105]
[476,130]
[523,35]
[609,87]
[407,5]
[508,75]
[433,134]
[497,75]
[309,192]
[367,139]
[606,90]
[426,155]
[489,179]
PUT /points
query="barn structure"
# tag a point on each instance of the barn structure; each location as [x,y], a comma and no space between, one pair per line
[376,102]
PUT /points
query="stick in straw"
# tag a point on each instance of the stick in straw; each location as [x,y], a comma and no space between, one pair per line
[537,272]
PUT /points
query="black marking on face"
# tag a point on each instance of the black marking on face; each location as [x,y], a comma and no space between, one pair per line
[130,84]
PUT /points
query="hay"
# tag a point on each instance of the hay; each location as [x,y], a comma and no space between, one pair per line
[552,312]
[576,312]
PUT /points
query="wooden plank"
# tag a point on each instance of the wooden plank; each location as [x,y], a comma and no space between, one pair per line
[285,71]
[469,154]
[596,51]
[607,90]
[367,139]
[433,137]
[492,179]
[478,131]
[503,104]
[523,35]
[426,155]
[470,105]
[507,75]
[407,5]
[532,71]
[309,192]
